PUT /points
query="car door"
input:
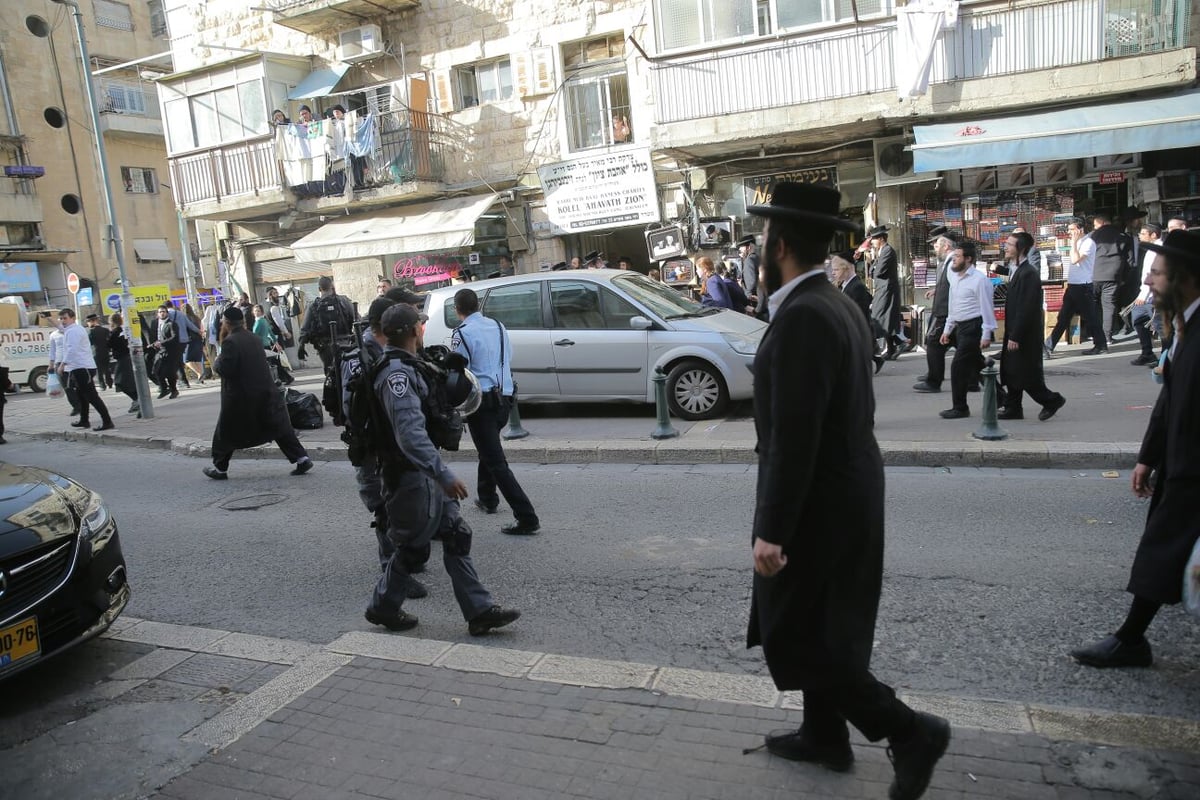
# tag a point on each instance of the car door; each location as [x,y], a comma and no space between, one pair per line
[519,307]
[596,352]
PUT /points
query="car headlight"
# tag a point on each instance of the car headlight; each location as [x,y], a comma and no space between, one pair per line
[96,525]
[742,344]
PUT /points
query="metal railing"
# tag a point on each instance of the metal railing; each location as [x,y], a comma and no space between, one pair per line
[227,171]
[987,42]
[135,97]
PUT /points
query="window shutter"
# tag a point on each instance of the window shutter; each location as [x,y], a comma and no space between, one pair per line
[534,72]
[443,86]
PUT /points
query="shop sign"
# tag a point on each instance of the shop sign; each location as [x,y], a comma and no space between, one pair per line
[1112,177]
[758,189]
[145,298]
[426,268]
[602,191]
[18,277]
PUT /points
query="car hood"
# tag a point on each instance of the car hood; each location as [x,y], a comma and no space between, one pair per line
[36,506]
[724,321]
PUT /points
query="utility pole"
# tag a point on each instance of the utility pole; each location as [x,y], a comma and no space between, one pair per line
[128,307]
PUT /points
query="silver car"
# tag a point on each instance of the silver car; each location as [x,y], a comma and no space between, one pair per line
[599,335]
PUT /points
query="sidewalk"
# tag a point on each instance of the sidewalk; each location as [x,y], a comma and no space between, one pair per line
[1108,403]
[374,715]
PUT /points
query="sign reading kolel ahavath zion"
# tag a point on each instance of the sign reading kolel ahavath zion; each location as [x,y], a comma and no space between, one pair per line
[606,190]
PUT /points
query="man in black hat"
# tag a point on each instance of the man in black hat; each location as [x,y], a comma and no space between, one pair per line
[944,241]
[329,309]
[749,270]
[1131,279]
[1168,464]
[594,260]
[561,265]
[98,336]
[1021,369]
[885,300]
[818,526]
[252,409]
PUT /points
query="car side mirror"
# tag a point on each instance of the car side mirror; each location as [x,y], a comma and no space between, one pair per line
[640,323]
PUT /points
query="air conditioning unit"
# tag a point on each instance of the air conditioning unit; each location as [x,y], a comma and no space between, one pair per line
[360,44]
[894,164]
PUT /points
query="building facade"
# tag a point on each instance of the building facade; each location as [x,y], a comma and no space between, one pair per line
[52,213]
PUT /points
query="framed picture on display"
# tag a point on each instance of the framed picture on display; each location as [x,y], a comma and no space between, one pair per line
[665,243]
[714,233]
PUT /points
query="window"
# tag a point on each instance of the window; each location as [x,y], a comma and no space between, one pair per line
[483,83]
[158,19]
[217,117]
[596,93]
[518,306]
[139,180]
[586,306]
[148,251]
[688,23]
[124,98]
[113,15]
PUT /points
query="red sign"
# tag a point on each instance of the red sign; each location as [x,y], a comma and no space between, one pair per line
[73,283]
[1112,177]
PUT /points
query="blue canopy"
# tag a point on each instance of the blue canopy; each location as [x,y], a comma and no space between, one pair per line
[1135,126]
[319,83]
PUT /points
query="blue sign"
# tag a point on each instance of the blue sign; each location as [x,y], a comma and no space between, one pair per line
[19,278]
[113,301]
[84,297]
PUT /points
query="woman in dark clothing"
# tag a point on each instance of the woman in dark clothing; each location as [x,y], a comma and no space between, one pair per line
[118,351]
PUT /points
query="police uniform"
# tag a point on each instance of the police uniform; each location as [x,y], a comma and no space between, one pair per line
[418,510]
[366,475]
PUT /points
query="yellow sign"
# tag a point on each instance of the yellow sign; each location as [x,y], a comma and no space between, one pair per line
[19,641]
[145,298]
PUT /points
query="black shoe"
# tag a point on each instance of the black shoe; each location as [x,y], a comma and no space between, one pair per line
[926,388]
[161,395]
[908,348]
[484,507]
[302,466]
[174,393]
[1009,413]
[1095,351]
[1047,352]
[134,408]
[1144,361]
[1112,652]
[914,757]
[878,363]
[81,423]
[1051,408]
[798,746]
[401,620]
[494,617]
[892,354]
[954,413]
[3,440]
[521,529]
[107,426]
[923,378]
[216,474]
[414,589]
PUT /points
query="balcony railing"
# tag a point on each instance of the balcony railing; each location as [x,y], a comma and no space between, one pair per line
[311,16]
[986,42]
[411,146]
[117,96]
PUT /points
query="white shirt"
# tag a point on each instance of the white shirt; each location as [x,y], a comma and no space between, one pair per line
[775,300]
[76,352]
[56,346]
[1081,272]
[971,297]
[1147,263]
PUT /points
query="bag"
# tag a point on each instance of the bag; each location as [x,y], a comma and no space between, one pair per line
[304,410]
[1191,582]
[331,311]
[53,387]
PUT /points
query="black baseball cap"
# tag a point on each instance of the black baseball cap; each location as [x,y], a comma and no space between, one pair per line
[400,317]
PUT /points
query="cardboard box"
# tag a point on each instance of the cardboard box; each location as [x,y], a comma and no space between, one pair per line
[10,317]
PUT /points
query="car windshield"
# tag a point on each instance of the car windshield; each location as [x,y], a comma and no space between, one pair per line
[660,298]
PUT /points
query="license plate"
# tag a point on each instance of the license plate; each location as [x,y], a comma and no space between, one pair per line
[19,641]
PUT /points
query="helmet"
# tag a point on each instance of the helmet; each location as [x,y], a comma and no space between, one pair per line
[462,391]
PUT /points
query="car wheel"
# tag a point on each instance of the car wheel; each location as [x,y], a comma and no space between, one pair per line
[695,391]
[37,379]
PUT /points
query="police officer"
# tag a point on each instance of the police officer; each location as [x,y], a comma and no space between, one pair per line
[485,344]
[329,307]
[421,494]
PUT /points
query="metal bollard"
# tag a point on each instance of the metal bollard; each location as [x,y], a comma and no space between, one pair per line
[990,430]
[514,429]
[665,429]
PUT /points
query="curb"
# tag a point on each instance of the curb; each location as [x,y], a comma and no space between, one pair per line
[1008,454]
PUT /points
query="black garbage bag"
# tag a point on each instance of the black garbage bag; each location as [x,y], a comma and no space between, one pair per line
[304,409]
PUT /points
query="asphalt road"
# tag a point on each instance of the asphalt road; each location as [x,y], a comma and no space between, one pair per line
[991,575]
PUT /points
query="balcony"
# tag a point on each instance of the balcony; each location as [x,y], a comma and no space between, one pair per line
[315,16]
[19,207]
[991,40]
[245,180]
[129,107]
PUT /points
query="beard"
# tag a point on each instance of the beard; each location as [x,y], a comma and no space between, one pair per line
[772,276]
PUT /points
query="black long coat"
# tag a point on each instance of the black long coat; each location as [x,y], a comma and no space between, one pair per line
[885,299]
[252,407]
[1024,323]
[820,490]
[1172,447]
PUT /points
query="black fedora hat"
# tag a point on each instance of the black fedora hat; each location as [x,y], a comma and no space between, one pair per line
[1181,245]
[561,265]
[805,202]
[592,256]
[878,230]
[745,240]
[1133,212]
[938,231]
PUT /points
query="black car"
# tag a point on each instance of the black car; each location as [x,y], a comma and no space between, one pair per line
[62,574]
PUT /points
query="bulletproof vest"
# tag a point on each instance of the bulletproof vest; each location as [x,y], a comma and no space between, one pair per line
[329,310]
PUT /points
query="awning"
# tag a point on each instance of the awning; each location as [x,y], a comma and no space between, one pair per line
[1159,123]
[152,250]
[419,228]
[319,83]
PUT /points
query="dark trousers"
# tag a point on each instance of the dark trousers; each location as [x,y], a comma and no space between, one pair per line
[968,359]
[494,472]
[71,393]
[1106,298]
[104,371]
[1143,316]
[1020,379]
[288,443]
[1078,299]
[935,352]
[867,704]
[81,381]
[358,170]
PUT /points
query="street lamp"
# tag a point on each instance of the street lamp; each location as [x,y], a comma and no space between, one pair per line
[128,307]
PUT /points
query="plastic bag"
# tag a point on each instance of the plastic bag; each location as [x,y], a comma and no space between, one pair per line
[304,410]
[1191,582]
[54,387]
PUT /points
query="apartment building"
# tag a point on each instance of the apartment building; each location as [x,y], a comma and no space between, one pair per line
[52,215]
